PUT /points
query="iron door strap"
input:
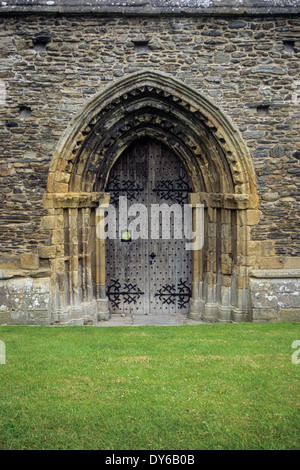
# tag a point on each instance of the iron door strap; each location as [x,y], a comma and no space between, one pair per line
[168,294]
[130,188]
[130,293]
[173,190]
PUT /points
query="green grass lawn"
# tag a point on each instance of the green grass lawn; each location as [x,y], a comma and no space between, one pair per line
[230,386]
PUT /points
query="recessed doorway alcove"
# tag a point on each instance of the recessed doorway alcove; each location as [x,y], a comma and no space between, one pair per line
[219,171]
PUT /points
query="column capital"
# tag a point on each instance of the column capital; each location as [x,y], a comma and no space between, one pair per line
[224,200]
[74,200]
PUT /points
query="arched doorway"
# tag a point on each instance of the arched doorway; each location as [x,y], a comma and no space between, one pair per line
[220,171]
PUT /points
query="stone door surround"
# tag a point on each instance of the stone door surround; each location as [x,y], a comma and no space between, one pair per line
[220,170]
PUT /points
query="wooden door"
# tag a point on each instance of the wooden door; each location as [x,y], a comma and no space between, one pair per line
[148,276]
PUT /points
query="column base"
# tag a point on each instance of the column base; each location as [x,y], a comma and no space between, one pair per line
[238,315]
[82,314]
[224,314]
[196,309]
[102,309]
[210,313]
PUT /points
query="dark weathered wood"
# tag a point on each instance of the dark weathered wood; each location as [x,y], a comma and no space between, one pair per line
[152,265]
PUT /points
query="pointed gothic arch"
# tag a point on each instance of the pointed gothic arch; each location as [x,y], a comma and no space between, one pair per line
[220,169]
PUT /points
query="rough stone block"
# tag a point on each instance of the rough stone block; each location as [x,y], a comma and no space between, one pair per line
[48,223]
[29,261]
[62,177]
[270,262]
[25,301]
[58,237]
[275,299]
[9,262]
[290,314]
[4,170]
[61,187]
[267,248]
[253,216]
[254,248]
[221,57]
[291,262]
[47,252]
[264,315]
[50,183]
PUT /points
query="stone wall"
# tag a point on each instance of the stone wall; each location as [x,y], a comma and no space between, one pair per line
[52,65]
[24,300]
[275,295]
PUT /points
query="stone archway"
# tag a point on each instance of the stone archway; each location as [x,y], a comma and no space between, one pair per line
[220,169]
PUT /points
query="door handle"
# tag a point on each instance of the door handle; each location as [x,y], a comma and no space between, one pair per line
[126,237]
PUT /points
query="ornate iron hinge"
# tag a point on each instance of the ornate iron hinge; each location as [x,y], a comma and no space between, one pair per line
[168,295]
[173,190]
[130,293]
[130,188]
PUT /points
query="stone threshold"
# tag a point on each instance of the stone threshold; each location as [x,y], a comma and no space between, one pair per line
[148,320]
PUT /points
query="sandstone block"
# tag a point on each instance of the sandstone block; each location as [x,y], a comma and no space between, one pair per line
[29,261]
[48,223]
[267,248]
[291,262]
[61,187]
[253,216]
[270,262]
[9,262]
[47,252]
[62,177]
[51,181]
[254,248]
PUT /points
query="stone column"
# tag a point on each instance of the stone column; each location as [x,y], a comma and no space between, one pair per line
[77,298]
[220,286]
[196,302]
[102,300]
[211,307]
[227,259]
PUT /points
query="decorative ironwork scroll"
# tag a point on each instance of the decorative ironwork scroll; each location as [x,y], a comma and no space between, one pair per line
[130,293]
[168,294]
[173,190]
[130,188]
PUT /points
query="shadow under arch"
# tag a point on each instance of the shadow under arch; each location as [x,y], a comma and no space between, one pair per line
[220,169]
